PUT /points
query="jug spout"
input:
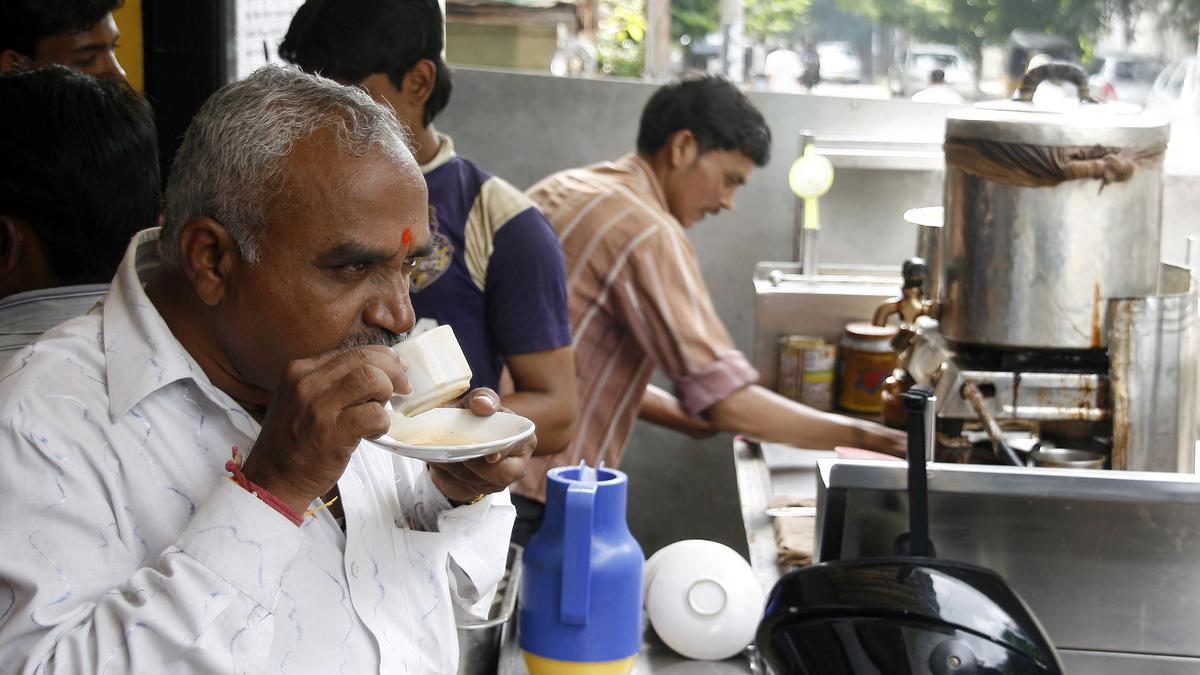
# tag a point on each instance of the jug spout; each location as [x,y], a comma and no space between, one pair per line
[587,474]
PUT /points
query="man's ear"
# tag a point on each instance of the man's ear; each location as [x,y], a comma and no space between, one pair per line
[11,59]
[209,256]
[11,241]
[23,265]
[419,82]
[683,149]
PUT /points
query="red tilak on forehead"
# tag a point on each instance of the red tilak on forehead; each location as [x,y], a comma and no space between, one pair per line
[407,237]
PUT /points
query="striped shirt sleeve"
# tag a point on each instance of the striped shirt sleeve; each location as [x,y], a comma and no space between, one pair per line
[664,303]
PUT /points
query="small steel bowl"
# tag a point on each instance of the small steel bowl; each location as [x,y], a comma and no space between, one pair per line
[1064,458]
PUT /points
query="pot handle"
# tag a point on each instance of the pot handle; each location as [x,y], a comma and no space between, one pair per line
[577,554]
[1055,71]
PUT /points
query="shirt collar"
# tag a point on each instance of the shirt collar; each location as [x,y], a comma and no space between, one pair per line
[53,293]
[634,164]
[141,354]
[38,311]
[445,153]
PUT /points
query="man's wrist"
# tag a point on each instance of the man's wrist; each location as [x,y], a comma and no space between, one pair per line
[455,498]
[287,506]
[862,435]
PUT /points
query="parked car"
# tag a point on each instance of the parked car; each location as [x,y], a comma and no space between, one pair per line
[1176,96]
[840,62]
[912,73]
[1176,92]
[1123,77]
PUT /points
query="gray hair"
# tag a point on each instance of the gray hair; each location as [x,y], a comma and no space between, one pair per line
[230,166]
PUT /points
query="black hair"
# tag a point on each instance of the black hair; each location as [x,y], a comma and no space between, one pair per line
[937,75]
[349,40]
[24,22]
[79,164]
[716,112]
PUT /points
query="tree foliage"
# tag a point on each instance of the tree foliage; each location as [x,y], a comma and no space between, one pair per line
[967,23]
[763,18]
[1185,13]
[777,18]
[971,23]
[621,37]
[694,18]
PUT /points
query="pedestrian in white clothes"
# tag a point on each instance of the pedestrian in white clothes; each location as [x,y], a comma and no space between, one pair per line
[257,319]
[782,68]
[938,91]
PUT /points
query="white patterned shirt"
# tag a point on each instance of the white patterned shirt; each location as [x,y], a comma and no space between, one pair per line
[124,548]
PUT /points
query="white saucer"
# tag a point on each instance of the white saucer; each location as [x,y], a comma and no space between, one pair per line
[453,434]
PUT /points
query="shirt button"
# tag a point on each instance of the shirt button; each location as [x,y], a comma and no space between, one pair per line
[354,570]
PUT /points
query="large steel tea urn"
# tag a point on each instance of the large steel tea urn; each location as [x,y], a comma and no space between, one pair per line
[1049,214]
[1055,316]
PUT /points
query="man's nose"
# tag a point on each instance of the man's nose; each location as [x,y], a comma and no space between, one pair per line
[727,201]
[391,309]
[112,67]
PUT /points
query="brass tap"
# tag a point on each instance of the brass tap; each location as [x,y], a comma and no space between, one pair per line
[911,303]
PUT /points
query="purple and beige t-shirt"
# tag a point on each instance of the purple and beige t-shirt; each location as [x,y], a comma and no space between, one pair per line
[497,274]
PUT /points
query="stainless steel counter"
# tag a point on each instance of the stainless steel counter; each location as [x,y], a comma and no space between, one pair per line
[1105,559]
[1126,542]
[655,659]
[754,489]
[765,471]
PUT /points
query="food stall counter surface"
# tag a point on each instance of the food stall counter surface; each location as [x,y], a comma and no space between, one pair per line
[764,472]
[655,658]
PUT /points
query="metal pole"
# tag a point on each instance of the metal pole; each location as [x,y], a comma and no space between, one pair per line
[732,16]
[1193,254]
[658,40]
[808,263]
[805,240]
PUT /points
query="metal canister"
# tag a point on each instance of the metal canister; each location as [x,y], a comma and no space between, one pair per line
[1048,217]
[789,368]
[866,361]
[806,366]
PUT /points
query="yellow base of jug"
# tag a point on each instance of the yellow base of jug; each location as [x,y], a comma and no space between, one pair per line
[537,665]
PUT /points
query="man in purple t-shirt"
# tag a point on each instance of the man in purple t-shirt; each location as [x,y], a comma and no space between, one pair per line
[497,274]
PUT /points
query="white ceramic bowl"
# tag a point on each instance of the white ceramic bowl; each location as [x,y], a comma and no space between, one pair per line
[437,370]
[453,434]
[703,599]
[695,547]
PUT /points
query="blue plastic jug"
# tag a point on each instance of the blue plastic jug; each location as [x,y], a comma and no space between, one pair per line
[581,593]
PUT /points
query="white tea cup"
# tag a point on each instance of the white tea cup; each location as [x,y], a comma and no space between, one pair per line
[437,370]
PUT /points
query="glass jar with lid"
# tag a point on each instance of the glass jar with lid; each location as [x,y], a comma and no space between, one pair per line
[866,359]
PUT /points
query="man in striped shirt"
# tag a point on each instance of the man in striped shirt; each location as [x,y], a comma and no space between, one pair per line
[637,300]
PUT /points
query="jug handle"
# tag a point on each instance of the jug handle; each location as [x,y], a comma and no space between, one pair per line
[577,554]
